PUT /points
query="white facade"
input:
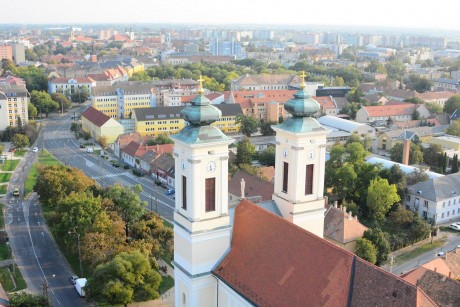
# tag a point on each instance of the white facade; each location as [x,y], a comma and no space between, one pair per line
[438,212]
[201,236]
[13,105]
[296,151]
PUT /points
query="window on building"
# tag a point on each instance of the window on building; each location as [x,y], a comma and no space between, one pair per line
[309,179]
[210,194]
[285,176]
[184,192]
[425,203]
[442,215]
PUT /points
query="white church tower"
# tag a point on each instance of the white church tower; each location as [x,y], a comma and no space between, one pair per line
[202,227]
[300,164]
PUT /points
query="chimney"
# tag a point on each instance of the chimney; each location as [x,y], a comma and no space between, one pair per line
[344,209]
[435,269]
[406,151]
[158,147]
[243,184]
[350,216]
[356,217]
[450,274]
[335,204]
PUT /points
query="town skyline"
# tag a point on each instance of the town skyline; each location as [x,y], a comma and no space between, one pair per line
[354,13]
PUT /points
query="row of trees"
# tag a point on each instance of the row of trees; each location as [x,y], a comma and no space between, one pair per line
[120,240]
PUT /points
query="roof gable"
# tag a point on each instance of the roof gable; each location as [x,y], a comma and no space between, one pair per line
[96,117]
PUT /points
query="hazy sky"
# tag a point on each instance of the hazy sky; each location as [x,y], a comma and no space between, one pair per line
[431,14]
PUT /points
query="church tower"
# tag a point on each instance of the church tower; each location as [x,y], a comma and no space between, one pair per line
[202,227]
[300,164]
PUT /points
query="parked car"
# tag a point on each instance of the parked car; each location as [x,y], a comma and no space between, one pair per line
[82,146]
[16,191]
[35,149]
[455,226]
[12,149]
[170,192]
[115,164]
[89,150]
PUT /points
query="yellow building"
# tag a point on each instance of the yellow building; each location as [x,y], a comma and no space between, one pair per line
[98,124]
[387,140]
[447,142]
[119,100]
[13,104]
[166,120]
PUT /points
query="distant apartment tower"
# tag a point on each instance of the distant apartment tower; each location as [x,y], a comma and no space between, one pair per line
[14,101]
[19,54]
[227,48]
[263,35]
[6,52]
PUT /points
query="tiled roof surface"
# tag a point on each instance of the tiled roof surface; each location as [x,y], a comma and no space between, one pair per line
[125,139]
[96,117]
[273,262]
[338,227]
[391,110]
[443,291]
[254,186]
[428,96]
[438,189]
[131,148]
[269,79]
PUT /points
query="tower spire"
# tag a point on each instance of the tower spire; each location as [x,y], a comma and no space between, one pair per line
[302,84]
[200,89]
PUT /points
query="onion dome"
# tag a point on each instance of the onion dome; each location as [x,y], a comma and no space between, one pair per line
[302,105]
[201,112]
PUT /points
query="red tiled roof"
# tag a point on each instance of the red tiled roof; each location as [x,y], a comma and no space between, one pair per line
[158,149]
[429,96]
[391,110]
[96,117]
[273,262]
[124,139]
[131,148]
[338,227]
[263,96]
[254,186]
[326,102]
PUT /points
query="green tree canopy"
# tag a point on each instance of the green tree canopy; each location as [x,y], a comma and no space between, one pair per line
[454,128]
[23,299]
[245,152]
[129,277]
[32,110]
[366,250]
[248,124]
[140,76]
[415,154]
[452,104]
[62,100]
[267,157]
[356,153]
[80,95]
[161,139]
[381,196]
[431,154]
[43,102]
[395,69]
[378,238]
[20,140]
[266,129]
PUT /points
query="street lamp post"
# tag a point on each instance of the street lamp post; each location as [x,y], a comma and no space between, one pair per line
[79,250]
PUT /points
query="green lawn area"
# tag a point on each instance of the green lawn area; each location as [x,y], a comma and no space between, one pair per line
[167,283]
[20,152]
[418,251]
[44,158]
[5,177]
[5,252]
[3,189]
[10,165]
[6,281]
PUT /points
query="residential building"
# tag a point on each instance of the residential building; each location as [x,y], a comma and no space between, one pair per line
[437,200]
[336,91]
[341,129]
[6,52]
[14,101]
[382,114]
[167,120]
[269,82]
[341,228]
[99,125]
[70,86]
[163,169]
[123,140]
[121,99]
[387,140]
[233,48]
[19,55]
[438,98]
[168,92]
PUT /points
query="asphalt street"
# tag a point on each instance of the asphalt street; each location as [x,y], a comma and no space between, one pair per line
[39,259]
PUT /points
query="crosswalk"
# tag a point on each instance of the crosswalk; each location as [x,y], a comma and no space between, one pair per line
[111,175]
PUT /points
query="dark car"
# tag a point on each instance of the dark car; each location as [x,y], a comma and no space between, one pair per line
[82,146]
[115,164]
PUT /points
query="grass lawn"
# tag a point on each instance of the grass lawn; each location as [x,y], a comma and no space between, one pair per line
[6,281]
[167,283]
[10,165]
[44,158]
[3,189]
[5,252]
[419,251]
[20,152]
[5,177]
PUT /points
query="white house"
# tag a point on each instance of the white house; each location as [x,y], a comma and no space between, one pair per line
[399,112]
[437,199]
[70,85]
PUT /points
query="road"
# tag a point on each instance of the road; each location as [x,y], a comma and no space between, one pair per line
[61,142]
[41,263]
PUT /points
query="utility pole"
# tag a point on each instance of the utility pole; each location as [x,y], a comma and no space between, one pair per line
[79,249]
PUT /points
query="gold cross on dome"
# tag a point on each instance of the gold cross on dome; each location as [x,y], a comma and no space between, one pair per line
[200,90]
[303,75]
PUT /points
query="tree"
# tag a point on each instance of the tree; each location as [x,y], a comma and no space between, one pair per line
[62,100]
[366,250]
[43,102]
[102,140]
[2,148]
[454,128]
[20,140]
[351,109]
[416,176]
[443,163]
[32,110]
[80,95]
[245,152]
[55,182]
[454,164]
[415,154]
[267,157]
[378,238]
[127,203]
[431,154]
[395,69]
[24,299]
[140,76]
[248,124]
[127,278]
[452,104]
[381,196]
[356,153]
[161,139]
[266,129]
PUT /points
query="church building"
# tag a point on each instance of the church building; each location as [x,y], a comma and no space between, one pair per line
[250,256]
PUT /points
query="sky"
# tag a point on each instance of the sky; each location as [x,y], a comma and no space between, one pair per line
[439,14]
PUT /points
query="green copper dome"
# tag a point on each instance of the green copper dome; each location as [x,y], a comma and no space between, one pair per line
[302,105]
[201,112]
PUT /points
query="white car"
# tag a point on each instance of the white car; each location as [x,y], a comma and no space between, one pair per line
[455,226]
[35,149]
